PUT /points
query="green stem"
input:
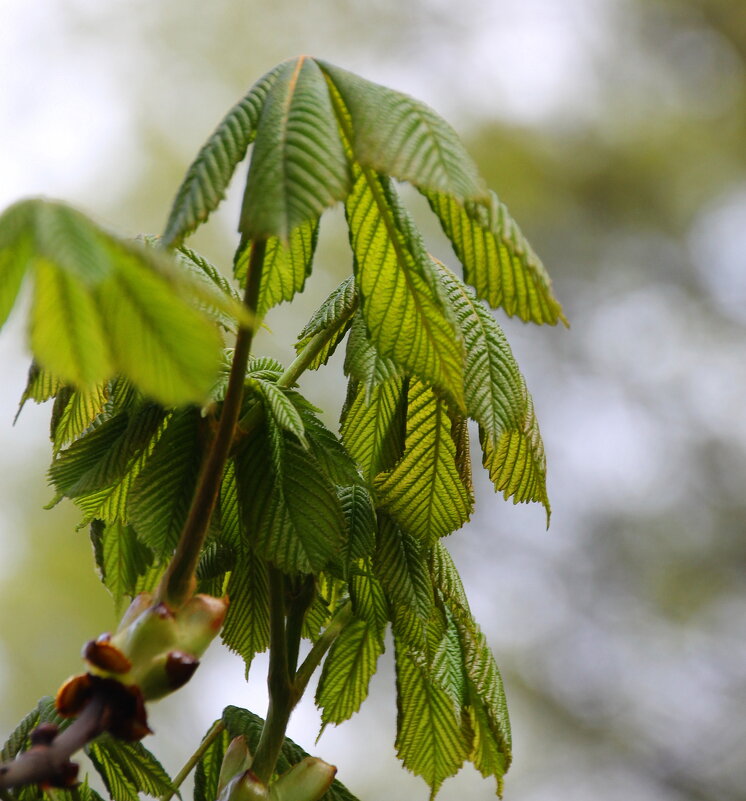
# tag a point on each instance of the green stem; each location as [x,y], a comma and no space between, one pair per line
[190,764]
[177,584]
[341,618]
[281,700]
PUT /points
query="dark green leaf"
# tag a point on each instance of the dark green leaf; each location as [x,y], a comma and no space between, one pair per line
[396,135]
[207,773]
[298,166]
[123,558]
[210,173]
[246,627]
[128,768]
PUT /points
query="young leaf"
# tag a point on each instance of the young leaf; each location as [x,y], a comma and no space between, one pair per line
[498,260]
[75,411]
[497,398]
[373,427]
[347,671]
[429,738]
[363,362]
[286,265]
[41,385]
[289,506]
[399,564]
[159,500]
[298,166]
[246,627]
[241,721]
[333,317]
[210,173]
[360,514]
[207,772]
[277,404]
[424,492]
[400,296]
[128,768]
[102,305]
[167,348]
[369,601]
[124,559]
[394,134]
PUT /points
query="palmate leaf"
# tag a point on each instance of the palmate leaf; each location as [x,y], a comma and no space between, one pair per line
[396,135]
[102,305]
[298,166]
[400,297]
[160,496]
[497,398]
[369,601]
[429,738]
[360,514]
[277,404]
[127,768]
[246,628]
[424,493]
[242,722]
[347,671]
[287,264]
[333,319]
[373,425]
[210,173]
[498,260]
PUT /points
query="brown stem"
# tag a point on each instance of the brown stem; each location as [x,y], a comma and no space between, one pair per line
[177,584]
[49,761]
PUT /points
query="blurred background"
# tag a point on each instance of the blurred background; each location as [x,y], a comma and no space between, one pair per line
[615,130]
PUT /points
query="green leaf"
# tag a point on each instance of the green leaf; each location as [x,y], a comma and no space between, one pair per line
[373,425]
[102,305]
[284,414]
[290,508]
[333,318]
[169,349]
[160,497]
[127,768]
[498,260]
[124,559]
[400,295]
[246,627]
[18,738]
[424,492]
[241,721]
[360,514]
[66,331]
[287,264]
[298,166]
[394,134]
[429,737]
[210,173]
[41,385]
[207,772]
[347,671]
[497,398]
[369,601]
[75,411]
[363,362]
[16,247]
[399,564]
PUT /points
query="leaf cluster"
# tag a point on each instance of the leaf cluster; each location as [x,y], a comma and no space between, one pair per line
[126,339]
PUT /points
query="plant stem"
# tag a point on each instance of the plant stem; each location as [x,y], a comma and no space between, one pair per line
[281,700]
[341,618]
[189,765]
[177,584]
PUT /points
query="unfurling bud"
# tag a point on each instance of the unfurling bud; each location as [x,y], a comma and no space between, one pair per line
[307,780]
[154,651]
[245,787]
[237,760]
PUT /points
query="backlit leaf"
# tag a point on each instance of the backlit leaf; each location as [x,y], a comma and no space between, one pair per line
[424,492]
[498,260]
[210,173]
